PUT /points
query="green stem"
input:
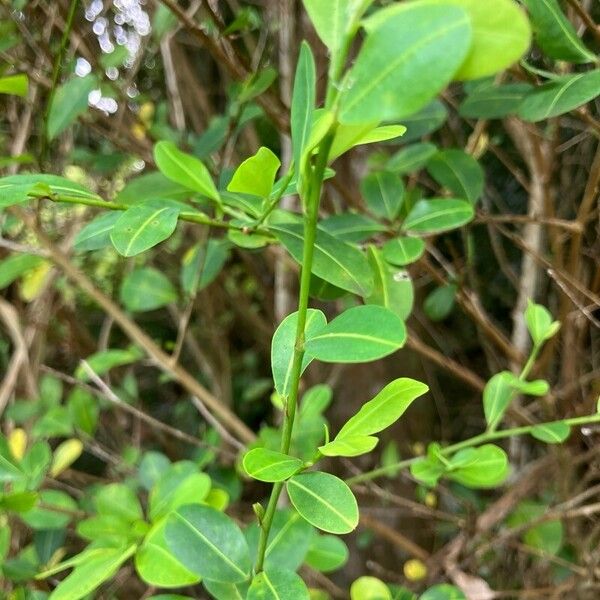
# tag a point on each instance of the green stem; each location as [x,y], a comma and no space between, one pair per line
[477,440]
[56,74]
[311,213]
[190,217]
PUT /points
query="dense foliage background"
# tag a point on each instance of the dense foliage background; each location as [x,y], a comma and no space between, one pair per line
[87,89]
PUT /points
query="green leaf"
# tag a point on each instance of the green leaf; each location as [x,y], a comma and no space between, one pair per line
[335,261]
[539,323]
[146,289]
[141,227]
[386,81]
[119,500]
[151,186]
[55,511]
[501,35]
[384,194]
[429,119]
[497,395]
[157,566]
[484,467]
[270,466]
[91,573]
[15,189]
[539,387]
[411,158]
[256,175]
[332,19]
[351,227]
[277,584]
[185,170]
[369,588]
[439,304]
[179,485]
[327,553]
[227,591]
[15,85]
[554,33]
[547,536]
[96,234]
[289,540]
[560,96]
[351,445]
[105,360]
[494,101]
[69,102]
[65,454]
[393,289]
[359,334]
[458,172]
[437,215]
[282,347]
[303,103]
[403,251]
[443,592]
[427,470]
[202,264]
[551,433]
[385,409]
[208,543]
[324,500]
[16,265]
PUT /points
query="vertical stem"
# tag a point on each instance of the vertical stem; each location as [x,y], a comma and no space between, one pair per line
[311,213]
[56,74]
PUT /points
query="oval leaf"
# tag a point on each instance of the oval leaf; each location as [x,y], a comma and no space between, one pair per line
[142,227]
[386,82]
[208,543]
[327,553]
[551,433]
[277,584]
[325,501]
[270,466]
[437,215]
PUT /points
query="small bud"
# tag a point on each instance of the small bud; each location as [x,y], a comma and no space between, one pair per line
[415,570]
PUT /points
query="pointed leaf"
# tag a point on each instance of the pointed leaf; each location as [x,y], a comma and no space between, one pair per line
[184,169]
[497,396]
[385,409]
[303,103]
[69,102]
[359,334]
[324,500]
[256,175]
[352,445]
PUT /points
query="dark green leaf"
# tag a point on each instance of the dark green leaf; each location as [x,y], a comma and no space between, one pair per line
[335,261]
[439,304]
[412,158]
[554,33]
[146,289]
[69,102]
[208,543]
[560,96]
[458,172]
[494,101]
[384,194]
[437,215]
[202,264]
